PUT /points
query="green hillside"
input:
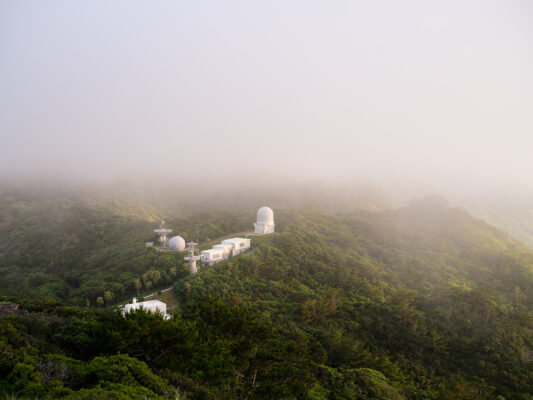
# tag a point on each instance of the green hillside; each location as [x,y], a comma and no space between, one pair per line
[74,251]
[422,302]
[512,213]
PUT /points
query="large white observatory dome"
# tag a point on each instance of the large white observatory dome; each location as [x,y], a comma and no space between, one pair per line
[265,215]
[176,243]
[265,221]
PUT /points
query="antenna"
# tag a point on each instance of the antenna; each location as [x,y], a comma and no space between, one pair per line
[163,232]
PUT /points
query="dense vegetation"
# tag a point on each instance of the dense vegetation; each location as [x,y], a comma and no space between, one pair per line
[423,302]
[77,251]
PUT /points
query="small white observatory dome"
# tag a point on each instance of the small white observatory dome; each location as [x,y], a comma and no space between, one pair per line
[176,243]
[265,221]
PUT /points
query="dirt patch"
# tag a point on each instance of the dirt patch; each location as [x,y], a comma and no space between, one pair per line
[11,309]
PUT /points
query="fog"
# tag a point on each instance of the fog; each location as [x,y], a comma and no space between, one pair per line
[430,93]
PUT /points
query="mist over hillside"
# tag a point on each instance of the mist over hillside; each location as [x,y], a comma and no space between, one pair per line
[510,211]
[507,207]
[387,143]
[351,298]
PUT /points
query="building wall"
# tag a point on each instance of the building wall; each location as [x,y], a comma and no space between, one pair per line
[211,258]
[263,229]
[153,308]
[225,250]
[159,307]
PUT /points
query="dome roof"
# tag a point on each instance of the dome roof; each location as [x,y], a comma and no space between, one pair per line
[265,215]
[176,243]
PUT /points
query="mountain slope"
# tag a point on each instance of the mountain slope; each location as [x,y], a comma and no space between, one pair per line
[422,302]
[427,295]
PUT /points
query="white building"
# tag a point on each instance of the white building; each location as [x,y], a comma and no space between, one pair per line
[150,305]
[211,256]
[265,221]
[228,248]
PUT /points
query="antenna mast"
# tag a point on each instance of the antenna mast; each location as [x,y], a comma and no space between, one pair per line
[163,232]
[192,257]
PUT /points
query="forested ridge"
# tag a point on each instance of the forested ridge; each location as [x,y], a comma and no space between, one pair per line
[421,302]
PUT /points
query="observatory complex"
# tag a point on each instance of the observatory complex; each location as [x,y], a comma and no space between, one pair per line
[265,221]
[220,252]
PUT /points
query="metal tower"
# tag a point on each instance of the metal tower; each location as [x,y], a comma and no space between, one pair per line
[192,257]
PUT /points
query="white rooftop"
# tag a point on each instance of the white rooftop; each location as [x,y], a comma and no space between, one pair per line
[211,251]
[151,302]
[147,303]
[233,240]
[222,245]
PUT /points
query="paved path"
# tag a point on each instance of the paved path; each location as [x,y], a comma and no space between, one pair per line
[155,293]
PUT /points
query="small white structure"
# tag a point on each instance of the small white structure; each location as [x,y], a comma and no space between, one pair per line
[265,221]
[176,243]
[152,306]
[192,257]
[228,248]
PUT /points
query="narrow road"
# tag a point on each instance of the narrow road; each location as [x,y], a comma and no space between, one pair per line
[155,293]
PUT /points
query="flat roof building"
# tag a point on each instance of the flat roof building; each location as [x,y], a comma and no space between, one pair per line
[228,248]
[153,306]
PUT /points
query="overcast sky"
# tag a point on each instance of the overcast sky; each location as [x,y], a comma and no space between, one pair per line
[432,90]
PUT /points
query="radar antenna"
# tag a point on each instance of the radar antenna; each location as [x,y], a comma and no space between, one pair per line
[163,232]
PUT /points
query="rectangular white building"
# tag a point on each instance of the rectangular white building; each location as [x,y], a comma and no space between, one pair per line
[239,244]
[152,306]
[212,256]
[228,248]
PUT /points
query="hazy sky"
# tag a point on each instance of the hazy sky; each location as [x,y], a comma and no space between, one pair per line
[434,90]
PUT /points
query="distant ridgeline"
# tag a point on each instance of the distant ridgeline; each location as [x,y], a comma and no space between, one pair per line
[514,217]
[423,302]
